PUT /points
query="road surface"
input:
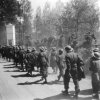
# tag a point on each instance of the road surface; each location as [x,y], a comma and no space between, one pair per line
[16,85]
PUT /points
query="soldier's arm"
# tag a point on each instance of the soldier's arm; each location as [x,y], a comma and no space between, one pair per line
[80,61]
[91,65]
[68,65]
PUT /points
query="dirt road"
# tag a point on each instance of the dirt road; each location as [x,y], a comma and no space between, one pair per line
[16,85]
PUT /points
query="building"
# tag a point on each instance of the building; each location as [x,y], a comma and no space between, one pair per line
[10,32]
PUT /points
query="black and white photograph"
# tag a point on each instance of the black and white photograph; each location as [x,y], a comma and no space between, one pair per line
[49,49]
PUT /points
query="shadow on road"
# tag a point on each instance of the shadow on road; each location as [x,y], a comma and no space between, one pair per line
[86,92]
[13,71]
[3,62]
[25,75]
[30,83]
[55,82]
[9,65]
[36,82]
[64,97]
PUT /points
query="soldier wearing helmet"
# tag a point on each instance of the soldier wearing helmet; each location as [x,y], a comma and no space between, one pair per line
[95,69]
[43,63]
[60,63]
[72,59]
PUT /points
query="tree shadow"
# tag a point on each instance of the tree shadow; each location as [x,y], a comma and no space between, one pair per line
[30,83]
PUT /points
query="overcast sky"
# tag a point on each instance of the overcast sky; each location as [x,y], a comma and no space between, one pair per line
[41,3]
[36,3]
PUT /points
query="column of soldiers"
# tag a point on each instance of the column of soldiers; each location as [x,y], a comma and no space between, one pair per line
[69,64]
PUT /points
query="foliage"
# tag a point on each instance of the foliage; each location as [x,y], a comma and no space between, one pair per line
[24,24]
[9,9]
[47,22]
[76,24]
[79,18]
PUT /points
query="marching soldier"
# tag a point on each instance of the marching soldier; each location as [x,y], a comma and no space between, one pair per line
[72,61]
[26,59]
[53,58]
[95,72]
[43,63]
[16,56]
[29,61]
[21,58]
[34,59]
[60,63]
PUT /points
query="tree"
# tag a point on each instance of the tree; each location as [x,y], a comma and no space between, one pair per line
[37,23]
[79,18]
[24,26]
[9,10]
[48,24]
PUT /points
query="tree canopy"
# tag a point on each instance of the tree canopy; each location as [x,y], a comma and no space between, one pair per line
[79,18]
[9,9]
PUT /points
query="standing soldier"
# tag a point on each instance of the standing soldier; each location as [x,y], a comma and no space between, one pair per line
[72,61]
[30,60]
[34,59]
[21,58]
[95,69]
[16,56]
[43,63]
[26,59]
[60,63]
[53,58]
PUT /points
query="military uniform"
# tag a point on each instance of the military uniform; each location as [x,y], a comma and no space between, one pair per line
[71,60]
[53,58]
[95,75]
[26,53]
[30,60]
[21,58]
[43,63]
[60,63]
[34,58]
[16,56]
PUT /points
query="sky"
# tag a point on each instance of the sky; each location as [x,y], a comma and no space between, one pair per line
[41,3]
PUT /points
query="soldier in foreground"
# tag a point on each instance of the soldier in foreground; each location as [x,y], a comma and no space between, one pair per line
[72,63]
[95,72]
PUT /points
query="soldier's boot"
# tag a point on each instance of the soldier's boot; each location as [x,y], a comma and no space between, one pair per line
[28,72]
[76,93]
[16,64]
[96,96]
[31,73]
[9,60]
[45,82]
[59,77]
[26,68]
[65,92]
[22,68]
